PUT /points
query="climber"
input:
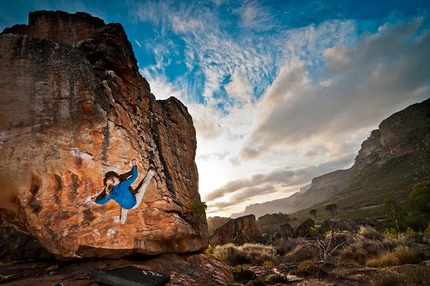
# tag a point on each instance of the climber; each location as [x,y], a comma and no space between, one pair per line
[119,191]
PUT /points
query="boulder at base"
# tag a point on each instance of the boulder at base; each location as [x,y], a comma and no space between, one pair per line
[131,276]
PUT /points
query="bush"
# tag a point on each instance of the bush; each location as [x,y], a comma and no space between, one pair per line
[417,275]
[275,278]
[243,276]
[399,256]
[367,243]
[406,255]
[427,231]
[268,264]
[230,254]
[352,253]
[284,245]
[383,260]
[210,249]
[399,239]
[370,233]
[313,231]
[307,268]
[386,279]
[256,254]
[391,232]
[300,253]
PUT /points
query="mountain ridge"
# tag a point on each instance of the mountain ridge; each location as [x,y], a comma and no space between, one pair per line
[403,133]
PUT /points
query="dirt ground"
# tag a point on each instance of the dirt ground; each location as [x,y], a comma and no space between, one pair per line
[78,274]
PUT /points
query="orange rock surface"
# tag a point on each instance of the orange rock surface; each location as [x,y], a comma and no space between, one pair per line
[73,107]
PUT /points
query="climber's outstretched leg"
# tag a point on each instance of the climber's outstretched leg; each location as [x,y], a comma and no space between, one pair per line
[123,216]
[141,192]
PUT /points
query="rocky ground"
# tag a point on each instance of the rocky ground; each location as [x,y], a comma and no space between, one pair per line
[184,270]
[78,274]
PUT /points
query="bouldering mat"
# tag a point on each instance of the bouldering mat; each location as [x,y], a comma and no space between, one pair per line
[130,276]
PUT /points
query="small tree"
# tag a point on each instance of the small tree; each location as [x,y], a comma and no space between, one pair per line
[313,212]
[419,198]
[332,208]
[392,211]
[198,210]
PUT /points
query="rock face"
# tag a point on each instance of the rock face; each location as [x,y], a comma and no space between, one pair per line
[402,133]
[73,107]
[238,231]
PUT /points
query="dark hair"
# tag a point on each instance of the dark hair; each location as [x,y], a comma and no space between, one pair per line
[109,184]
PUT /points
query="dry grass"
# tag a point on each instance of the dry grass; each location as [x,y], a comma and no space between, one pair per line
[399,256]
[417,275]
[394,259]
[370,233]
[302,252]
[383,260]
[386,278]
[252,253]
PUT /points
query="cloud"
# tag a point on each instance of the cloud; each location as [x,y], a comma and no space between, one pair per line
[298,101]
[383,73]
[255,16]
[205,120]
[248,186]
[281,181]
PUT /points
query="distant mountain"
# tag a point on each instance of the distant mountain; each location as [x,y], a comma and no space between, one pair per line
[393,159]
[284,205]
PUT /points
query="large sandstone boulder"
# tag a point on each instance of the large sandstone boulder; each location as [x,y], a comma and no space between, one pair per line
[73,107]
[304,228]
[238,231]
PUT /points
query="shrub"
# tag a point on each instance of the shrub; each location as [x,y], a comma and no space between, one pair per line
[400,239]
[255,249]
[385,279]
[300,253]
[417,275]
[391,232]
[399,256]
[275,278]
[309,269]
[257,254]
[284,245]
[406,255]
[352,253]
[210,249]
[229,254]
[369,232]
[427,231]
[253,253]
[268,264]
[243,276]
[384,260]
[313,231]
[198,210]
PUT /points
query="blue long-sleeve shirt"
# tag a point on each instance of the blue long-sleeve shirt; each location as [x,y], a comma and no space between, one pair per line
[121,194]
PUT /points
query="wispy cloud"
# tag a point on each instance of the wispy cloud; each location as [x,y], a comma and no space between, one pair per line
[362,85]
[300,99]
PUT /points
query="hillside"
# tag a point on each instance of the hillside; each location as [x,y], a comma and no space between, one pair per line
[390,162]
[393,159]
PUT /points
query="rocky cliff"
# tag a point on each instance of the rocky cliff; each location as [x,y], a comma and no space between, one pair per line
[74,107]
[400,134]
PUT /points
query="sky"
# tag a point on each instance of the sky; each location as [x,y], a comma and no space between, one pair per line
[280,91]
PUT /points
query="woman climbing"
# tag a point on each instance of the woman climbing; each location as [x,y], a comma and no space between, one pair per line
[119,191]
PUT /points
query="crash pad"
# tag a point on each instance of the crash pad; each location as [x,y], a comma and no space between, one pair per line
[130,276]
